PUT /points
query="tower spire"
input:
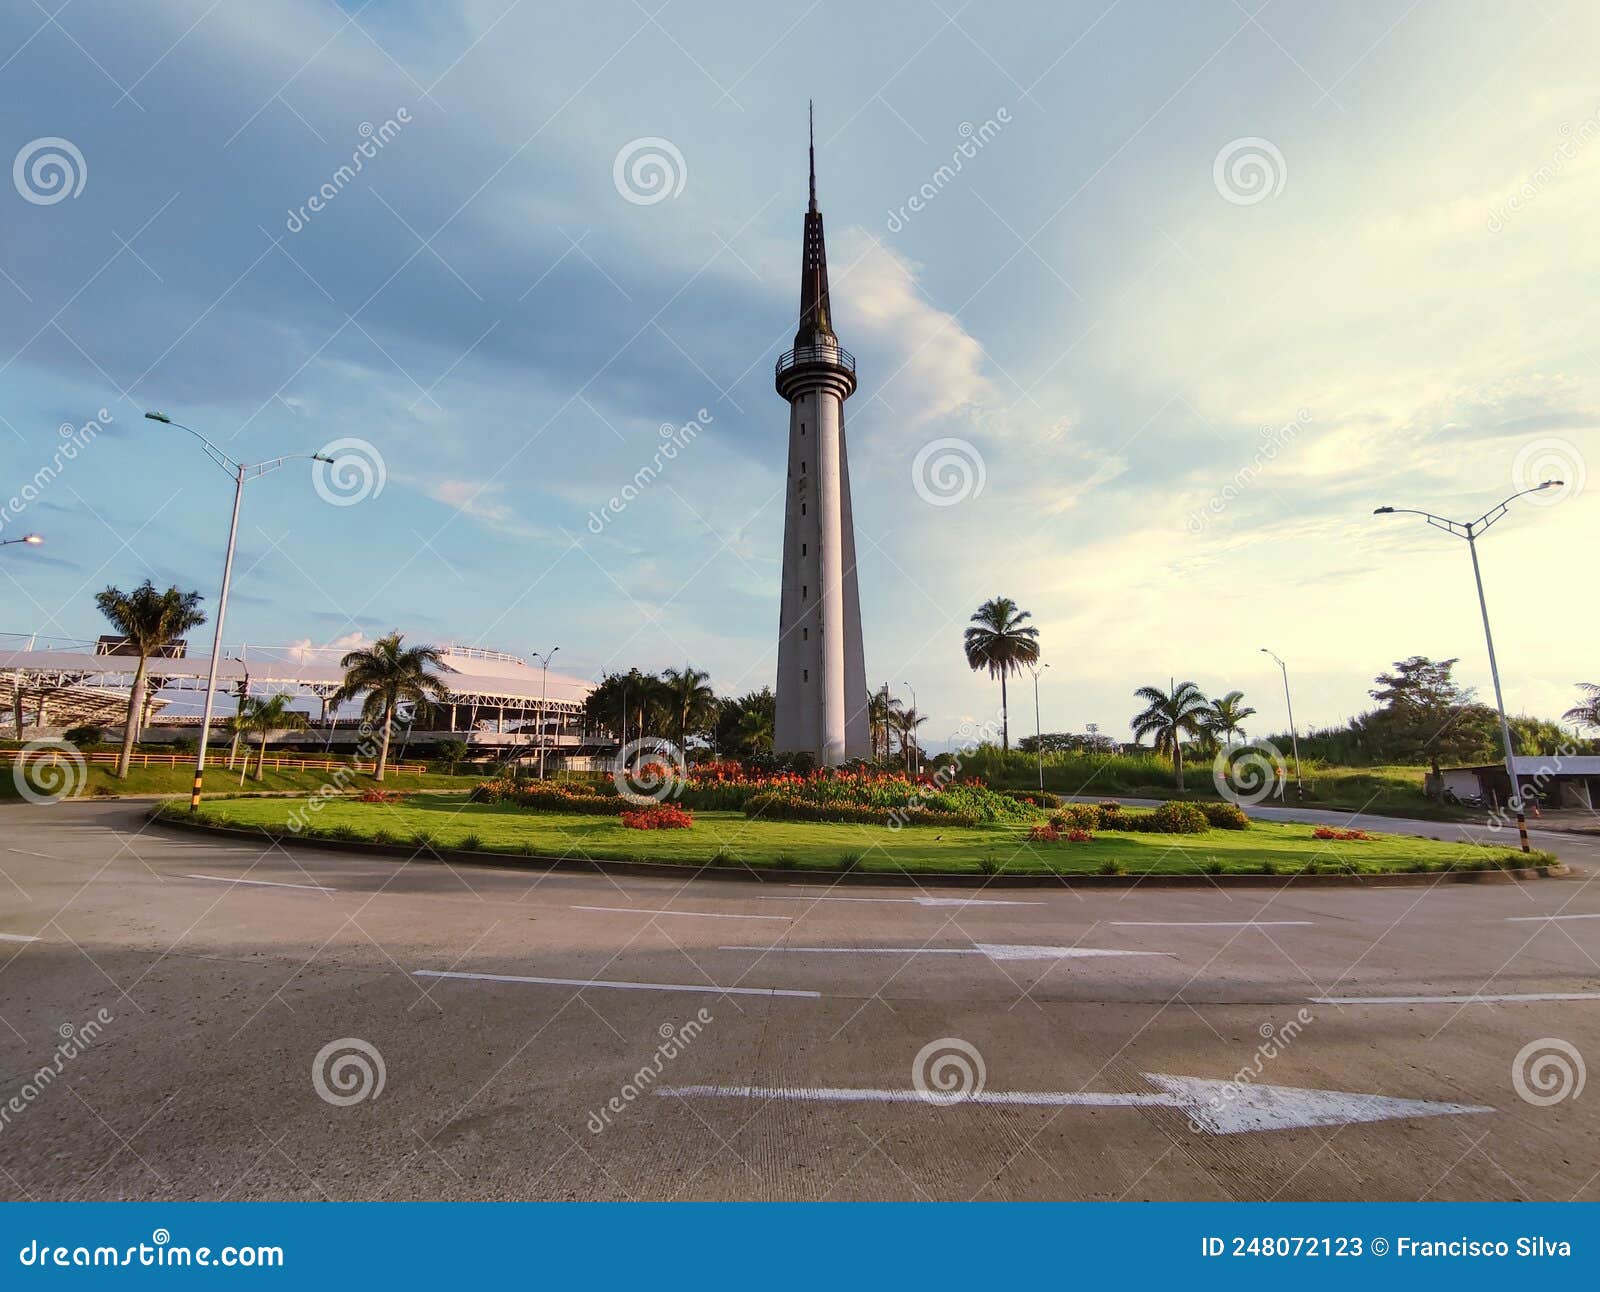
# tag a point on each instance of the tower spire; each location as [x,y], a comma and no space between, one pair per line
[815,324]
[811,119]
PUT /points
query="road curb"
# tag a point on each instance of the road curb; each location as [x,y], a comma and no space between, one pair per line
[586,865]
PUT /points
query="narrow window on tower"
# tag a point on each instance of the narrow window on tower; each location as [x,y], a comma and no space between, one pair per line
[803,591]
[805,675]
[802,509]
[805,634]
[802,549]
[802,467]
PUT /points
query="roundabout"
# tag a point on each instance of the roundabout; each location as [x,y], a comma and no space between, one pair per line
[734,1040]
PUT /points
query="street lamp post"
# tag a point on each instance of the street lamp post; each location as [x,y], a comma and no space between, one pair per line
[1038,734]
[1294,736]
[544,676]
[913,762]
[1470,530]
[32,540]
[240,471]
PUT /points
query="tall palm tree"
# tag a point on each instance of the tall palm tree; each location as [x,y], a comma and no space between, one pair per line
[907,721]
[390,675]
[1586,713]
[1226,715]
[267,716]
[147,620]
[1002,643]
[690,701]
[883,715]
[1169,716]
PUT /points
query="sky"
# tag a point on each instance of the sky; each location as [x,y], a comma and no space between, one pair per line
[1152,304]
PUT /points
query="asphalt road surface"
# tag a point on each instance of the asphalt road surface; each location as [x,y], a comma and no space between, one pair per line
[183,1018]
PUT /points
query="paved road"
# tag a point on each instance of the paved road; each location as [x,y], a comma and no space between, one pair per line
[763,1042]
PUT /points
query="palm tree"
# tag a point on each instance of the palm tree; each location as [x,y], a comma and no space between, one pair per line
[1586,713]
[883,715]
[691,703]
[390,675]
[907,721]
[267,716]
[1226,715]
[1002,644]
[147,620]
[1169,716]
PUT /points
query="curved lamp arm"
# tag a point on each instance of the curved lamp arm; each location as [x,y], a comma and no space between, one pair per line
[235,468]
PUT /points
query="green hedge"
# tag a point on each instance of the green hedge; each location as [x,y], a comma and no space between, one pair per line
[774,806]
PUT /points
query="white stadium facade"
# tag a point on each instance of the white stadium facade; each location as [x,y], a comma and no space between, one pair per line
[497,702]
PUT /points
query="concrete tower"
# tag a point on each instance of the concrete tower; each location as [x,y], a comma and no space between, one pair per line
[822,678]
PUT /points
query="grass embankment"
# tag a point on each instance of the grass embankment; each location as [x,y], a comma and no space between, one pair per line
[1382,791]
[730,838]
[101,781]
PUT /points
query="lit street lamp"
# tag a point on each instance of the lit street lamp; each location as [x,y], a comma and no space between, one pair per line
[544,675]
[1294,737]
[1470,530]
[33,540]
[1038,735]
[240,472]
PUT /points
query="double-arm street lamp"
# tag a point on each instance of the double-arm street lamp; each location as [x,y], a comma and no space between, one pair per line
[544,677]
[1470,530]
[1294,736]
[240,471]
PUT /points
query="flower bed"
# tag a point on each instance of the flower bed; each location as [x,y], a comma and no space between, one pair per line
[659,816]
[788,806]
[1175,817]
[1333,832]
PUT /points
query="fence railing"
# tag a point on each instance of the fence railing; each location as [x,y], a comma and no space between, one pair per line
[218,759]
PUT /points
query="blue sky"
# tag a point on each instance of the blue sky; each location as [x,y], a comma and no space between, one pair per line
[1210,282]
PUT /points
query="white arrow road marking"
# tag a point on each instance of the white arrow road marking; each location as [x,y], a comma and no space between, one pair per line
[262,883]
[699,915]
[704,989]
[994,950]
[1205,924]
[16,937]
[1220,1107]
[1475,998]
[1540,919]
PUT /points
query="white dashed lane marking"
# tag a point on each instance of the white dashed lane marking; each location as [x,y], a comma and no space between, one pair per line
[702,989]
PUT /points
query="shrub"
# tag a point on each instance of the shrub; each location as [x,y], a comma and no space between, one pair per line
[1176,817]
[1333,832]
[381,796]
[988,864]
[1048,833]
[1214,867]
[850,860]
[1076,835]
[470,843]
[88,734]
[1085,816]
[783,861]
[423,839]
[1225,816]
[782,805]
[658,816]
[1110,867]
